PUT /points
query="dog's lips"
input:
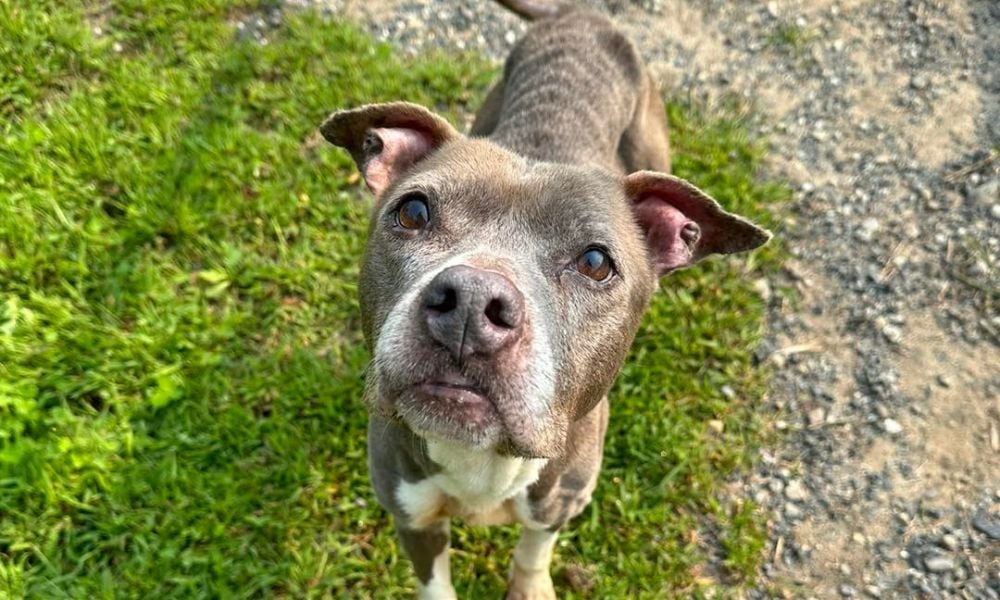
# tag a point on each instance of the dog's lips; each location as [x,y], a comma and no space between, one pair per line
[455,400]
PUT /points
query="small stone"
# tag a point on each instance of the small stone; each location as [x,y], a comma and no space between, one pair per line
[763,289]
[949,541]
[944,380]
[845,570]
[776,485]
[869,227]
[987,524]
[919,82]
[820,135]
[986,194]
[873,591]
[792,511]
[816,417]
[510,37]
[846,591]
[893,333]
[780,425]
[995,211]
[716,426]
[728,391]
[892,426]
[795,490]
[858,538]
[117,47]
[939,564]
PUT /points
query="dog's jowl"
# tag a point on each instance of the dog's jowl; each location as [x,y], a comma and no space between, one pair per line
[504,277]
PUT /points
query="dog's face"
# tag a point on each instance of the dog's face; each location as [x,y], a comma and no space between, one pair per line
[500,295]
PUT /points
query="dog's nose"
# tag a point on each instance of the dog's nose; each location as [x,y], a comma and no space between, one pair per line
[473,311]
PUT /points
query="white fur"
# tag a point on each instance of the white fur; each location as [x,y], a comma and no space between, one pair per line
[529,574]
[439,586]
[478,481]
[422,501]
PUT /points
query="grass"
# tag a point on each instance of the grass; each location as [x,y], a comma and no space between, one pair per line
[180,355]
[791,38]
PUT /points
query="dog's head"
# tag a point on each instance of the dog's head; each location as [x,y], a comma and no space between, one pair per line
[500,295]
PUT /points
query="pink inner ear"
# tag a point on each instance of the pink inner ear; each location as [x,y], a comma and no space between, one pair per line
[663,224]
[401,147]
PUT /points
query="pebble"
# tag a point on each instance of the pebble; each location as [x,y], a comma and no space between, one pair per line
[893,333]
[949,541]
[795,490]
[939,564]
[919,82]
[763,289]
[983,522]
[869,227]
[816,416]
[892,426]
[986,194]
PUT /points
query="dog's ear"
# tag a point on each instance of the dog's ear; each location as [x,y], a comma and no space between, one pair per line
[386,139]
[683,224]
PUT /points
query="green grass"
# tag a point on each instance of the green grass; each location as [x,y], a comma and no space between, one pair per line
[791,38]
[180,357]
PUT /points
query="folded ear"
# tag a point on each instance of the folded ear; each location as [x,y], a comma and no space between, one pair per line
[683,224]
[386,139]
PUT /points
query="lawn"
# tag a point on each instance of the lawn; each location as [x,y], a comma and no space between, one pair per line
[181,363]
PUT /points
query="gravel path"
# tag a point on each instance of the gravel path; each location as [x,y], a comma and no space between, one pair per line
[885,116]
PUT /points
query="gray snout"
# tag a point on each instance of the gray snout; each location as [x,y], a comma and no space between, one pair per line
[473,311]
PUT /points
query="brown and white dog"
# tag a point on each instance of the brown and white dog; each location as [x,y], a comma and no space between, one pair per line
[504,278]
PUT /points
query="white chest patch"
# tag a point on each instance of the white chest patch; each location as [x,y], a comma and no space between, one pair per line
[473,484]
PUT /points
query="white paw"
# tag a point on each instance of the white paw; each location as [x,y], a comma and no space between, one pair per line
[436,590]
[530,585]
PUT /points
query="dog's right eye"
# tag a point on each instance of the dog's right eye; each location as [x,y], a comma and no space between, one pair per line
[413,212]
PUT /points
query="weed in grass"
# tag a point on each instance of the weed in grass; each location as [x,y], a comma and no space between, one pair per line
[180,356]
[792,38]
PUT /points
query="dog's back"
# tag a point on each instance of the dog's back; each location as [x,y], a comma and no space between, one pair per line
[574,91]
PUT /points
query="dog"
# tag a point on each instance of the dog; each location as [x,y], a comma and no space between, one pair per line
[504,278]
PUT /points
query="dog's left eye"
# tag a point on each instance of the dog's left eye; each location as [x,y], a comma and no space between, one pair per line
[413,212]
[595,264]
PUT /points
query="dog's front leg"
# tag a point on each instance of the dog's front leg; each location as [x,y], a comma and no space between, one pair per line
[428,550]
[529,573]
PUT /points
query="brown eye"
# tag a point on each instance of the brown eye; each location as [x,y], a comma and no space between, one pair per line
[595,263]
[413,212]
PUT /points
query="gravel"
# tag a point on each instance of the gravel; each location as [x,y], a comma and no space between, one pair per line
[885,118]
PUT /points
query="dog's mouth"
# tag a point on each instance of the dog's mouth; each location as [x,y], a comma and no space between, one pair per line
[450,405]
